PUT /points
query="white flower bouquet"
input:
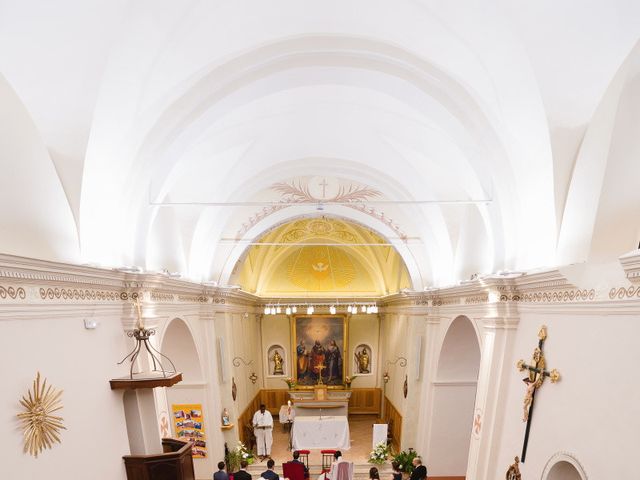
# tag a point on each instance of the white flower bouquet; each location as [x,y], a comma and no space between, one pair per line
[379,454]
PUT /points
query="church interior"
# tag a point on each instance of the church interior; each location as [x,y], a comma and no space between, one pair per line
[408,226]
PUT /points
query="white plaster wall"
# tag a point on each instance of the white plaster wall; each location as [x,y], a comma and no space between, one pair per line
[594,411]
[242,338]
[276,330]
[81,363]
[450,430]
[393,343]
[399,334]
[35,215]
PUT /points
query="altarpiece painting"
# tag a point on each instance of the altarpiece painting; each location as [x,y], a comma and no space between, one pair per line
[319,345]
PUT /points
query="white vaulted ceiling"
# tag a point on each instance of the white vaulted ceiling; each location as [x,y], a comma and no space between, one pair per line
[147,110]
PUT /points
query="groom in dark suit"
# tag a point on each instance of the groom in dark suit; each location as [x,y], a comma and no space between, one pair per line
[419,470]
[242,474]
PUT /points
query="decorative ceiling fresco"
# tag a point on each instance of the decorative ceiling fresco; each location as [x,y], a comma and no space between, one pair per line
[322,257]
[321,191]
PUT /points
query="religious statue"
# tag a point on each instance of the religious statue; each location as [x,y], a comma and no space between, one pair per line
[278,362]
[362,360]
[514,471]
[528,397]
[225,418]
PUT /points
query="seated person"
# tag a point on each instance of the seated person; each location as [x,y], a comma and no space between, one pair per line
[419,470]
[220,474]
[332,474]
[296,456]
[269,474]
[397,474]
[373,474]
[242,474]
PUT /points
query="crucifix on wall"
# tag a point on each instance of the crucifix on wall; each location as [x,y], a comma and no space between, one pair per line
[533,381]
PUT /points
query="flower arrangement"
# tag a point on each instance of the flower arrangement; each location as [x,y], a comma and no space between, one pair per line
[291,383]
[244,453]
[405,460]
[379,454]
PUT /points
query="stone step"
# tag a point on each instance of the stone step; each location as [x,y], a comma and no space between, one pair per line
[360,470]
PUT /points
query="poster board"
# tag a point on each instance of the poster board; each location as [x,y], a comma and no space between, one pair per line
[188,423]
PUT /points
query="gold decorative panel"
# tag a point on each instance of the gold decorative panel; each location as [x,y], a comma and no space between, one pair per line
[325,256]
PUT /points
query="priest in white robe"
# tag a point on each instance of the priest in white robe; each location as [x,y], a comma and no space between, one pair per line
[263,429]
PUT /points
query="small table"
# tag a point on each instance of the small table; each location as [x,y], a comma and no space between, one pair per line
[284,416]
[321,433]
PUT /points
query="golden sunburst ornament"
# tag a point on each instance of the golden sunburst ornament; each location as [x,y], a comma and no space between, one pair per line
[41,428]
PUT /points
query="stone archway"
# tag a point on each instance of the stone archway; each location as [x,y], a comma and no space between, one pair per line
[454,392]
[564,471]
[179,344]
[563,466]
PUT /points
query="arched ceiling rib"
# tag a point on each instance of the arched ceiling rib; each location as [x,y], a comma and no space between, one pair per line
[194,100]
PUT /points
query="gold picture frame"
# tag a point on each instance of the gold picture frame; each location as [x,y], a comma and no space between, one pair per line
[319,338]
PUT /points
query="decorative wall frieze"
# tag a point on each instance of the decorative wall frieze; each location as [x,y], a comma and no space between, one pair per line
[621,293]
[81,294]
[631,264]
[30,281]
[12,293]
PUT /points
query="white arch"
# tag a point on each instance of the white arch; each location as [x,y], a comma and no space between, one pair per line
[564,457]
[187,349]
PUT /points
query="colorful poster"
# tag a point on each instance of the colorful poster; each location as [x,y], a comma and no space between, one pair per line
[189,425]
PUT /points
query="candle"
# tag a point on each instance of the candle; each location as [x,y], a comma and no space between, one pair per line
[140,325]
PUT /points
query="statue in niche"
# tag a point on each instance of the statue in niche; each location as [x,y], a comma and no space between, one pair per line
[225,418]
[362,360]
[278,363]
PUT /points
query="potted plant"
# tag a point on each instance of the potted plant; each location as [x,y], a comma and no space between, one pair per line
[232,460]
[405,460]
[291,383]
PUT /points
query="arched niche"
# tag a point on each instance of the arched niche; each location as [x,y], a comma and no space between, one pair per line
[454,391]
[270,362]
[358,351]
[178,344]
[563,466]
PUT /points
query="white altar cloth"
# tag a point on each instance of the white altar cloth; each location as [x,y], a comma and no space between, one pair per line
[328,433]
[379,434]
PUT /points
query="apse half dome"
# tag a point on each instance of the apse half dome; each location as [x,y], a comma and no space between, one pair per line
[322,257]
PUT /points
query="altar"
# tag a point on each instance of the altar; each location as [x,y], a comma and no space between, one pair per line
[326,432]
[320,402]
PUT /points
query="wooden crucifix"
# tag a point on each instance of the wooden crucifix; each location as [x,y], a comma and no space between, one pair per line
[534,379]
[319,368]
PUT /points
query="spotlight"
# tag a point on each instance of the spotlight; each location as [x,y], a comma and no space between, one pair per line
[267,310]
[363,309]
[288,311]
[294,309]
[278,310]
[332,310]
[273,310]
